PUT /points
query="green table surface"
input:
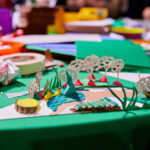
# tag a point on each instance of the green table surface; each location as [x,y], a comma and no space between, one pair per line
[112,130]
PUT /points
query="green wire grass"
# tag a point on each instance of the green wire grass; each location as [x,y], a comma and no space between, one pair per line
[55,82]
[125,106]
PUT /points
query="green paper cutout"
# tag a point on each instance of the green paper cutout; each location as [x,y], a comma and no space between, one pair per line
[85,105]
[79,106]
[37,96]
[70,90]
[54,82]
[90,103]
[105,102]
[131,105]
[132,54]
[95,103]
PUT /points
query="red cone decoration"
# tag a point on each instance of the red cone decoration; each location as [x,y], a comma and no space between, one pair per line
[40,94]
[65,85]
[78,83]
[103,79]
[91,77]
[118,83]
[91,83]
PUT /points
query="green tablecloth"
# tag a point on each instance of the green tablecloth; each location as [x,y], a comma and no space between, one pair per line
[113,130]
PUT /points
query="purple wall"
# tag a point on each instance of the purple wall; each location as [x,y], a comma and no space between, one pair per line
[6,20]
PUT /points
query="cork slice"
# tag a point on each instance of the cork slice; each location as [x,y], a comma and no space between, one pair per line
[27,106]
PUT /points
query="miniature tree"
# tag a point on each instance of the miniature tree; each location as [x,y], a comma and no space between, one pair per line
[70,90]
[46,87]
[77,66]
[62,75]
[116,66]
[33,88]
[91,64]
[144,85]
[39,76]
[105,62]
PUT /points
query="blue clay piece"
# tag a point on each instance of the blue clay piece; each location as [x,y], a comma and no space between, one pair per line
[54,102]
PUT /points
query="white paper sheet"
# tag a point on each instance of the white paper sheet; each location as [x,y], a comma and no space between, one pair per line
[128,76]
[36,39]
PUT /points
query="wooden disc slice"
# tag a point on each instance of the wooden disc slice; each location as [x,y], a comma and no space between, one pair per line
[27,106]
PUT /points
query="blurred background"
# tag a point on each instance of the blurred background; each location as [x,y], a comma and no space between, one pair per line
[130,17]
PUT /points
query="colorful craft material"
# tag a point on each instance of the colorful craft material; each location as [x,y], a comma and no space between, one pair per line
[58,92]
[76,65]
[61,65]
[70,90]
[119,49]
[49,95]
[129,33]
[91,76]
[55,102]
[116,66]
[144,85]
[8,71]
[103,79]
[28,63]
[27,106]
[101,105]
[10,47]
[78,83]
[91,83]
[117,83]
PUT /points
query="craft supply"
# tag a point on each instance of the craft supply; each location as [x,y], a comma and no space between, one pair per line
[139,75]
[100,26]
[27,106]
[144,85]
[103,79]
[10,47]
[70,90]
[119,49]
[39,76]
[49,95]
[49,62]
[91,83]
[101,105]
[62,75]
[76,65]
[18,94]
[8,72]
[28,63]
[91,64]
[33,88]
[105,62]
[129,32]
[58,92]
[46,87]
[61,65]
[116,66]
[66,96]
[61,38]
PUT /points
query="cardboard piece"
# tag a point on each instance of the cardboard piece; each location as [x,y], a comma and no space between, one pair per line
[49,62]
[9,112]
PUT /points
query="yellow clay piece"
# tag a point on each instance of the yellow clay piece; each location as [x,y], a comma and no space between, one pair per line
[48,96]
[28,103]
[58,92]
